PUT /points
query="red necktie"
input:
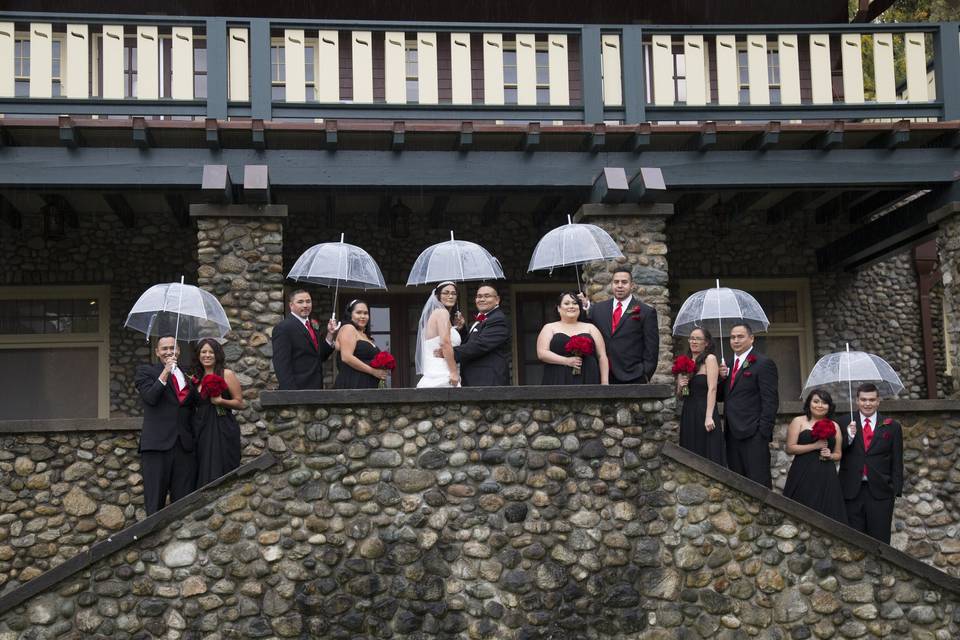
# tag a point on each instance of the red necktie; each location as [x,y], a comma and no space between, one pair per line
[617,314]
[480,317]
[313,335]
[736,368]
[867,439]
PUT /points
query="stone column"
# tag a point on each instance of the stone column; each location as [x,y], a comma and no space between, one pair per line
[640,231]
[240,261]
[948,247]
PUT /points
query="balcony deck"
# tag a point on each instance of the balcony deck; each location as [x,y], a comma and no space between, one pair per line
[307,70]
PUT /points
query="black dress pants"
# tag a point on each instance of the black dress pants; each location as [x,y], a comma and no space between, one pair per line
[172,472]
[750,458]
[869,515]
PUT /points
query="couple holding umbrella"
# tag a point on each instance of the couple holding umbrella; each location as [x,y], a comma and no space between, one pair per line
[190,436]
[869,447]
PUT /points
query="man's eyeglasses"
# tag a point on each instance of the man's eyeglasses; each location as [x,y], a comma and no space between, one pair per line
[484,296]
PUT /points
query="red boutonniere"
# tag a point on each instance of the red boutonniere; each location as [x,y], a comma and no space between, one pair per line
[315,325]
[888,421]
[749,361]
[635,313]
[886,435]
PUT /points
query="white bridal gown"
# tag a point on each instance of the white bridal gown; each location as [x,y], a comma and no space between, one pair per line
[435,372]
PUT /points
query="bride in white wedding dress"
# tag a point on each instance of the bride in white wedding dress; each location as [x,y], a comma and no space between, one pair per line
[437,331]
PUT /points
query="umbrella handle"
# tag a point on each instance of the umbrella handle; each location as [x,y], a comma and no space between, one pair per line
[576,270]
[176,331]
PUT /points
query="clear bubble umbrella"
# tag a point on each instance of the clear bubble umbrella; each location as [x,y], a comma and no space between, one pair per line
[456,260]
[838,373]
[181,310]
[338,264]
[573,244]
[711,308]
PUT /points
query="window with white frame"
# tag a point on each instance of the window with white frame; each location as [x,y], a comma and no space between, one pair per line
[542,58]
[54,352]
[21,66]
[412,70]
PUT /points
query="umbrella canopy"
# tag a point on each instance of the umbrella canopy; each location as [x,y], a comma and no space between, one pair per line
[456,260]
[840,373]
[573,244]
[710,309]
[333,264]
[178,309]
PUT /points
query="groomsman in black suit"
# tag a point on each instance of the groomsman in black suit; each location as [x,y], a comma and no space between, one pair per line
[750,402]
[484,356]
[629,329]
[298,348]
[871,469]
[166,447]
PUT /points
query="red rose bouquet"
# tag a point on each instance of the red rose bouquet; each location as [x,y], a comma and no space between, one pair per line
[822,430]
[579,346]
[684,365]
[384,360]
[213,386]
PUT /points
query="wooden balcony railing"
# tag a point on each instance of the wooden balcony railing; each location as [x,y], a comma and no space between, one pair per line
[112,65]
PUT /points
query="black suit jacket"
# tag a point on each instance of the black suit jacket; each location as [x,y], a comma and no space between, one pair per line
[484,357]
[750,406]
[633,349]
[298,364]
[164,418]
[884,460]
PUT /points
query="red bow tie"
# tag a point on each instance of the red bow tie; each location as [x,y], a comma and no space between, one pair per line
[480,317]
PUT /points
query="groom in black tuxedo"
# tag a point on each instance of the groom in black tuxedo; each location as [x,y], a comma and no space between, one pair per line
[750,402]
[167,455]
[871,469]
[629,330]
[484,356]
[298,347]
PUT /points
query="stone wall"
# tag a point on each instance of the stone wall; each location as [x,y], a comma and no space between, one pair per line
[948,246]
[101,250]
[43,474]
[62,492]
[875,308]
[502,520]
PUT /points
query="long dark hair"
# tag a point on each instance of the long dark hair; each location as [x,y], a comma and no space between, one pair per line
[824,397]
[456,308]
[219,358]
[576,298]
[349,316]
[709,348]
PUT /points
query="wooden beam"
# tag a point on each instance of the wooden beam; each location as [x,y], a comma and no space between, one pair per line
[258,138]
[10,214]
[465,142]
[212,132]
[330,135]
[706,139]
[531,138]
[832,138]
[399,136]
[121,208]
[141,135]
[216,185]
[870,205]
[896,137]
[869,10]
[647,183]
[610,187]
[256,184]
[179,209]
[769,139]
[598,138]
[640,139]
[67,132]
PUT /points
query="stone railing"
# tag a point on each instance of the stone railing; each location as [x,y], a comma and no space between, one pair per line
[519,512]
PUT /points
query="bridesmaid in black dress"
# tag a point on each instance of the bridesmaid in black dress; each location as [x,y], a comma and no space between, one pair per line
[214,426]
[700,430]
[355,350]
[812,479]
[559,366]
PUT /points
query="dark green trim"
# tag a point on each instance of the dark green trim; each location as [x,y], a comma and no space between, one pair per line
[217,70]
[591,67]
[260,90]
[946,68]
[634,76]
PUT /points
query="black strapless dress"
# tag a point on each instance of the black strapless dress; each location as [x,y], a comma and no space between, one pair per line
[350,378]
[561,373]
[693,435]
[218,440]
[814,482]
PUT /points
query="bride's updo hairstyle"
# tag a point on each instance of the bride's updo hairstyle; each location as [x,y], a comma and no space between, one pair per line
[436,293]
[349,316]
